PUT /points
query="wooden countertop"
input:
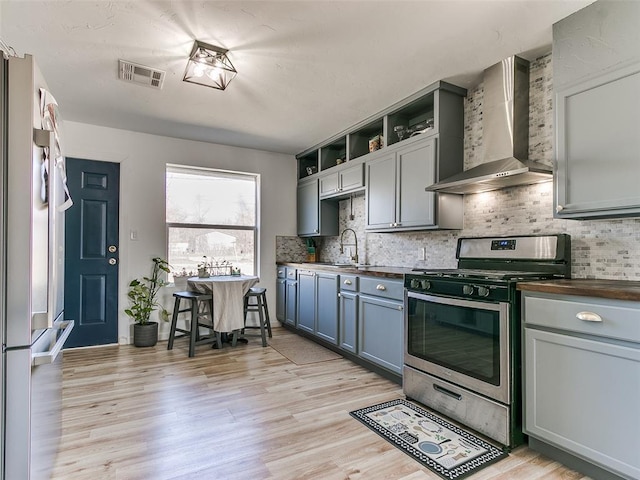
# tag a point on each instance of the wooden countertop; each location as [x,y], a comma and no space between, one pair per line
[372,271]
[613,289]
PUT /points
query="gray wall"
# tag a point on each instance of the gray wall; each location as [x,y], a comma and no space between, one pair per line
[600,248]
[143,159]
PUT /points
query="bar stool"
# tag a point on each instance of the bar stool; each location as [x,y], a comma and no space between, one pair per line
[197,300]
[260,306]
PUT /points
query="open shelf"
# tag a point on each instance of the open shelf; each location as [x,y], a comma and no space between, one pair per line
[415,116]
[431,111]
[359,140]
[308,164]
[333,154]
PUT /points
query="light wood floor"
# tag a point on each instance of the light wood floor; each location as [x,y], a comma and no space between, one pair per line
[237,413]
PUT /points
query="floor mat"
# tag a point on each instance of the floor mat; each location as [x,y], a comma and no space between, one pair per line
[445,449]
[300,350]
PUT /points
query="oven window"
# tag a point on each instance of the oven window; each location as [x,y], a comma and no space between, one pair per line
[463,339]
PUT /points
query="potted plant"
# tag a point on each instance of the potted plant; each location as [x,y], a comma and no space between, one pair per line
[143,300]
[180,279]
[203,267]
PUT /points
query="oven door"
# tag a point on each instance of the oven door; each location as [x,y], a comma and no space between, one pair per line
[465,342]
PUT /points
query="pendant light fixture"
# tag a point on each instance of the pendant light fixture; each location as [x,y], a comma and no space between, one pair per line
[209,65]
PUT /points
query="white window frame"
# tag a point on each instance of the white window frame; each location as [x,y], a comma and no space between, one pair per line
[205,226]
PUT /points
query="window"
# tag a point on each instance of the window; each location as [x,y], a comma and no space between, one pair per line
[212,213]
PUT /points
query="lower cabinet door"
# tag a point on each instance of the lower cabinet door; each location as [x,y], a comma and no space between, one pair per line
[327,307]
[380,332]
[306,301]
[348,321]
[291,306]
[572,402]
[281,296]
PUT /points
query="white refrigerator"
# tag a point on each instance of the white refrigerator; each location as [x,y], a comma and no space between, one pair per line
[32,276]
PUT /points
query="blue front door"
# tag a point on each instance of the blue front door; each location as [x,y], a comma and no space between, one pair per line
[92,252]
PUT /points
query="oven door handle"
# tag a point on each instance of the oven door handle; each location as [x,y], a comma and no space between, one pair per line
[444,300]
[449,393]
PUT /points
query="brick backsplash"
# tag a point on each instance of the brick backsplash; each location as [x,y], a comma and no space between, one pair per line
[608,249]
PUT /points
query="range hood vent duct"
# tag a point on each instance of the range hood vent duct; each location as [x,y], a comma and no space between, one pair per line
[505,135]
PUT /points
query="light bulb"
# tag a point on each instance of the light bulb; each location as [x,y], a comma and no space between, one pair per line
[199,70]
[214,74]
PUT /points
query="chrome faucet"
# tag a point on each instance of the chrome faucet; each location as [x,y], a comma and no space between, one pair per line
[355,237]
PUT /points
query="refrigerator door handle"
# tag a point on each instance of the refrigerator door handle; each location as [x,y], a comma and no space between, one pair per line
[50,355]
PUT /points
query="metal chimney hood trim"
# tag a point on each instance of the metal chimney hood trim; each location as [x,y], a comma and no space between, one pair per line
[505,135]
[494,175]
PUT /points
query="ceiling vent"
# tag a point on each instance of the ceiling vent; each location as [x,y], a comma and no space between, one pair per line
[140,74]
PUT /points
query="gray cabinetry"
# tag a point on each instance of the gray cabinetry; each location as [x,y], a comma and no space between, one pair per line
[407,131]
[395,190]
[315,218]
[362,315]
[381,191]
[281,293]
[582,378]
[307,300]
[291,297]
[380,322]
[342,182]
[327,307]
[596,83]
[348,313]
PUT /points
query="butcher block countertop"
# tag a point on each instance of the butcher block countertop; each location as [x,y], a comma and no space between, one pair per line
[373,271]
[613,289]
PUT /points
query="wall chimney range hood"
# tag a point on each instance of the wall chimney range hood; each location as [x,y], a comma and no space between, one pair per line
[505,135]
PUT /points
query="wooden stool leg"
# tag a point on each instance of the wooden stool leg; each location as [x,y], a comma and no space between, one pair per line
[263,334]
[194,327]
[174,323]
[266,314]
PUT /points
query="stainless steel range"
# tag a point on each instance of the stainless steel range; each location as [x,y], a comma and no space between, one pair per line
[462,330]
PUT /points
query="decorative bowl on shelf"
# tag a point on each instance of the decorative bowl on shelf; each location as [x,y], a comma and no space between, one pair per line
[400,130]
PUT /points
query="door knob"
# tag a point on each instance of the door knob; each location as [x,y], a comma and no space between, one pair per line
[112,249]
[112,261]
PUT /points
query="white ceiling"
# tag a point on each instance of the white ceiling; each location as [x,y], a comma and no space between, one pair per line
[306,69]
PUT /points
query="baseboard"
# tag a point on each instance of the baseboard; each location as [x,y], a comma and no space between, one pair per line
[571,461]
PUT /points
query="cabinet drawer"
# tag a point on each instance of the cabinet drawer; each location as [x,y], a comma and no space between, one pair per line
[349,283]
[607,318]
[292,273]
[281,272]
[382,287]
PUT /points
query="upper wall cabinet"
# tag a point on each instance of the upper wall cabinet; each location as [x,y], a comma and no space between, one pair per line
[596,76]
[315,218]
[435,109]
[403,149]
[343,182]
[396,199]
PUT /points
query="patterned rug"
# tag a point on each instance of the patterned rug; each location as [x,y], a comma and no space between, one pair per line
[445,449]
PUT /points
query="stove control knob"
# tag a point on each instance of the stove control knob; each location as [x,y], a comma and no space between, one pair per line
[483,291]
[425,284]
[415,283]
[467,289]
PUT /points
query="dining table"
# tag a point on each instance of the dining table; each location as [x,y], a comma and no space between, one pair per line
[228,298]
